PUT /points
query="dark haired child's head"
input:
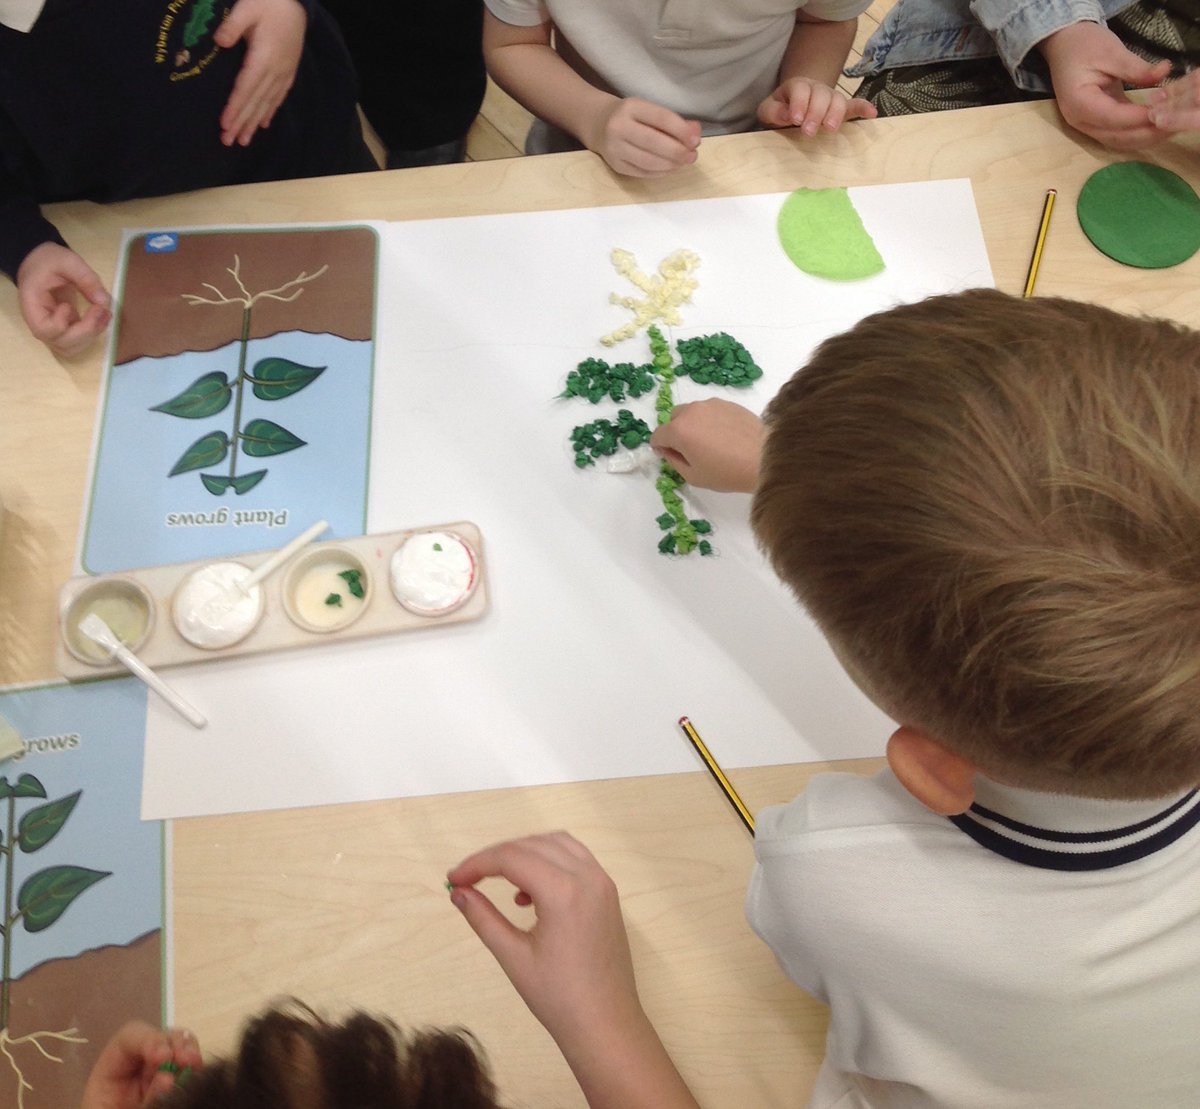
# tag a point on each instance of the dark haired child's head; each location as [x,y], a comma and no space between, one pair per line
[289,1058]
[992,508]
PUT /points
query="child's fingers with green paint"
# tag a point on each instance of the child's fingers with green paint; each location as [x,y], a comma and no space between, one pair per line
[185,1058]
[131,1071]
[713,444]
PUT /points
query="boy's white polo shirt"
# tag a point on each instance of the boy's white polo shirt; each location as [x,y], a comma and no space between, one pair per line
[713,62]
[1043,952]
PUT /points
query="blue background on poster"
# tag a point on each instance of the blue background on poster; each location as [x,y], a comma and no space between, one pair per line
[104,831]
[132,496]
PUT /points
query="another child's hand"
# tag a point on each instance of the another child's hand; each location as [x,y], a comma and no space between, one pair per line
[1176,107]
[811,106]
[50,282]
[274,33]
[714,444]
[126,1075]
[1090,67]
[641,139]
[573,967]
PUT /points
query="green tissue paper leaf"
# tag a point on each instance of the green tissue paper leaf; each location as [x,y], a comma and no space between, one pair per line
[208,450]
[262,438]
[39,826]
[276,378]
[206,396]
[46,895]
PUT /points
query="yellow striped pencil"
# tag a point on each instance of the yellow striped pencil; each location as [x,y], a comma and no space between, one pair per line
[717,773]
[1040,243]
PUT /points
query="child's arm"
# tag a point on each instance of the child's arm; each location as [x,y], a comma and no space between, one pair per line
[126,1075]
[633,136]
[1176,107]
[714,444]
[274,33]
[573,968]
[807,97]
[50,281]
[1090,67]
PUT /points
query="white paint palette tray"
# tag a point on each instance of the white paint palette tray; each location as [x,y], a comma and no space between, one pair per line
[339,589]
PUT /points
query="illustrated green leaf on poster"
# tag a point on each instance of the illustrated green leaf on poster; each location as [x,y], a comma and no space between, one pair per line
[48,894]
[243,483]
[262,438]
[27,786]
[216,483]
[208,450]
[276,378]
[206,396]
[39,826]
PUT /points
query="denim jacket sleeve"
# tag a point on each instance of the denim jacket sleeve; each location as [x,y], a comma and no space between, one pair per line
[925,32]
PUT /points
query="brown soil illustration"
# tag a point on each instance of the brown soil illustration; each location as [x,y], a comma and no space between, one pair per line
[94,994]
[156,320]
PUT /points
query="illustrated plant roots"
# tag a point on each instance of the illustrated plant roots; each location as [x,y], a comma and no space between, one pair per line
[271,379]
[42,898]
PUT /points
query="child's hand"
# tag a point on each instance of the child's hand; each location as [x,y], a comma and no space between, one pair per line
[49,282]
[573,967]
[1090,67]
[714,444]
[640,139]
[274,33]
[126,1075]
[1176,107]
[811,106]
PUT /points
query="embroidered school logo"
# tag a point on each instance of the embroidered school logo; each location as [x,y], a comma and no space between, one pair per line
[163,243]
[184,39]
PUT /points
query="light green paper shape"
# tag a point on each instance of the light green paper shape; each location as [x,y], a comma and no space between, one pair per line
[821,232]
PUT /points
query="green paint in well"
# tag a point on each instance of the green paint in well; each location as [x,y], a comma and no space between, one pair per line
[821,232]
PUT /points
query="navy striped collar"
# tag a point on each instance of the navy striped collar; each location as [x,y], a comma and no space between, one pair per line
[1099,848]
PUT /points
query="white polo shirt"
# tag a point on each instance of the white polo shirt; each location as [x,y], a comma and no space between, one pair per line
[1040,952]
[709,60]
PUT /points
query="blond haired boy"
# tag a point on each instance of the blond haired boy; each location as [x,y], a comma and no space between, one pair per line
[991,506]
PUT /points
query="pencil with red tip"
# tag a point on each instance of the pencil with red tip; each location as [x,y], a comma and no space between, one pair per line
[718,774]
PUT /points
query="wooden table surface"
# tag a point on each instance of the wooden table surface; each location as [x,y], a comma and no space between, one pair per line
[344,905]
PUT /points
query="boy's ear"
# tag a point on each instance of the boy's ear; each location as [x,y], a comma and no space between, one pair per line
[942,780]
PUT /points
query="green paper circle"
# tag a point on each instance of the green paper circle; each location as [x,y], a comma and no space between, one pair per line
[1141,215]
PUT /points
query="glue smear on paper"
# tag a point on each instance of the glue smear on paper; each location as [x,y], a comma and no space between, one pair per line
[822,233]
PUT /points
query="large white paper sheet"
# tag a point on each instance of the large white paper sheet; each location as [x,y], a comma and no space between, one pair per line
[595,644]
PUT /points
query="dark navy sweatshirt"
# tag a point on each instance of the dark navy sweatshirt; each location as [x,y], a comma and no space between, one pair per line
[112,100]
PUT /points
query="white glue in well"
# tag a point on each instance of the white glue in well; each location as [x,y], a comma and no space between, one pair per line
[211,611]
[433,572]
